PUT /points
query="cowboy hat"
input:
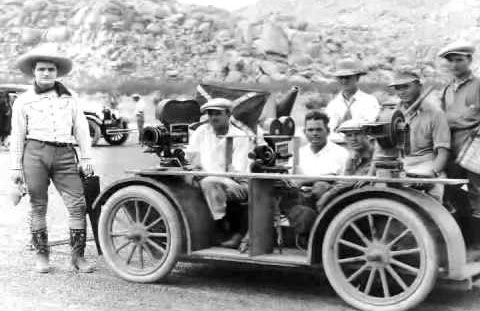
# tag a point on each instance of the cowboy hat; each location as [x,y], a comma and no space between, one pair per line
[348,67]
[45,53]
[217,104]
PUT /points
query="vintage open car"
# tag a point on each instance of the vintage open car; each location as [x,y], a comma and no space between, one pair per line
[382,246]
[108,124]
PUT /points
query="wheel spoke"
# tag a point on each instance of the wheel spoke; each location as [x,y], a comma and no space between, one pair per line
[371,224]
[405,252]
[386,229]
[146,214]
[352,245]
[355,275]
[399,237]
[140,256]
[158,234]
[154,223]
[148,251]
[118,249]
[125,211]
[352,259]
[137,212]
[371,277]
[383,278]
[360,234]
[404,266]
[397,277]
[118,234]
[130,255]
[156,245]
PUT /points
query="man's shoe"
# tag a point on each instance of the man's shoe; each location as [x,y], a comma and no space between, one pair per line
[233,242]
[41,263]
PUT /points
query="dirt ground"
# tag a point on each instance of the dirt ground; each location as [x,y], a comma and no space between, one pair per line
[205,286]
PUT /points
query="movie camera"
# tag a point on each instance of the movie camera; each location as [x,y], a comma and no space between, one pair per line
[169,138]
[273,156]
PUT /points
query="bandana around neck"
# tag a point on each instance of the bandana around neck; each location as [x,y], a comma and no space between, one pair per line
[57,86]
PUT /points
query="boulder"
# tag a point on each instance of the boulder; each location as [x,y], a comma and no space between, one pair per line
[300,40]
[299,59]
[274,40]
[154,28]
[58,34]
[30,36]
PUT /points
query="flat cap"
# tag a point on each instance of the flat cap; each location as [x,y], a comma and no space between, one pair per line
[350,126]
[457,47]
[217,104]
[404,77]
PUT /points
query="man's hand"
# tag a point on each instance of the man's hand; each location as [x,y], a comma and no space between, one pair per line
[86,167]
[17,176]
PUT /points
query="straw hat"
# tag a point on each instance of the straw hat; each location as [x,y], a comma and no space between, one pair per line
[348,67]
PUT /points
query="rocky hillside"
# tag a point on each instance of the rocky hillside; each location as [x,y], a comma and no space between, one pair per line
[291,41]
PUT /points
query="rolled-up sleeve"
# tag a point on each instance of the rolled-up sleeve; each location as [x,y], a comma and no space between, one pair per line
[81,131]
[441,131]
[18,134]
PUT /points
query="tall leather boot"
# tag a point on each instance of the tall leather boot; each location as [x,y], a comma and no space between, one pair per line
[40,243]
[78,240]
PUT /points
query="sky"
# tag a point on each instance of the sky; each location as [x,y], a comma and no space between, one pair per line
[224,4]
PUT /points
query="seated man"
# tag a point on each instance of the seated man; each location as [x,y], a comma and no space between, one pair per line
[320,156]
[208,151]
[358,162]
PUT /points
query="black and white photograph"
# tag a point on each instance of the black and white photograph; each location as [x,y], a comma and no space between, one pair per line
[198,155]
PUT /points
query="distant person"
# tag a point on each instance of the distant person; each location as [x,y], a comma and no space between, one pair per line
[46,123]
[139,115]
[350,102]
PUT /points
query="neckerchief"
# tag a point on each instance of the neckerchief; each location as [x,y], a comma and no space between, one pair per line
[59,88]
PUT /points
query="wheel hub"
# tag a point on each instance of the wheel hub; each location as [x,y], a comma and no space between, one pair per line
[378,253]
[137,233]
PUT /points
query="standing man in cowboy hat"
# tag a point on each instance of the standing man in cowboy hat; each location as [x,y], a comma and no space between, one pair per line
[46,122]
[461,102]
[429,131]
[351,102]
[207,151]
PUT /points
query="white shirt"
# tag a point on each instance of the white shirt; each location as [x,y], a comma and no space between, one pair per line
[363,108]
[139,106]
[48,117]
[330,160]
[212,149]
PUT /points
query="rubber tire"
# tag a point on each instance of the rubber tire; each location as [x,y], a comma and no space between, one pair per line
[120,141]
[414,221]
[157,200]
[95,131]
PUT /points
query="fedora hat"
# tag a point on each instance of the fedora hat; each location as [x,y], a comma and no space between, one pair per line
[457,47]
[45,53]
[348,67]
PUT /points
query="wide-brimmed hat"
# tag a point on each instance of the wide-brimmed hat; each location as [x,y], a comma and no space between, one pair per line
[404,77]
[348,67]
[217,104]
[458,47]
[350,126]
[46,53]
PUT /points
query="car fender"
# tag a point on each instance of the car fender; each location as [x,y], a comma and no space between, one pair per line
[94,117]
[446,230]
[186,199]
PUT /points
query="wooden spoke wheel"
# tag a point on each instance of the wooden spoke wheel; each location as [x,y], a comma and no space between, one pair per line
[117,138]
[140,234]
[379,254]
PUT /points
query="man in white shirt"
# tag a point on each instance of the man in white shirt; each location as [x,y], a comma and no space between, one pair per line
[350,102]
[208,151]
[139,115]
[320,156]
